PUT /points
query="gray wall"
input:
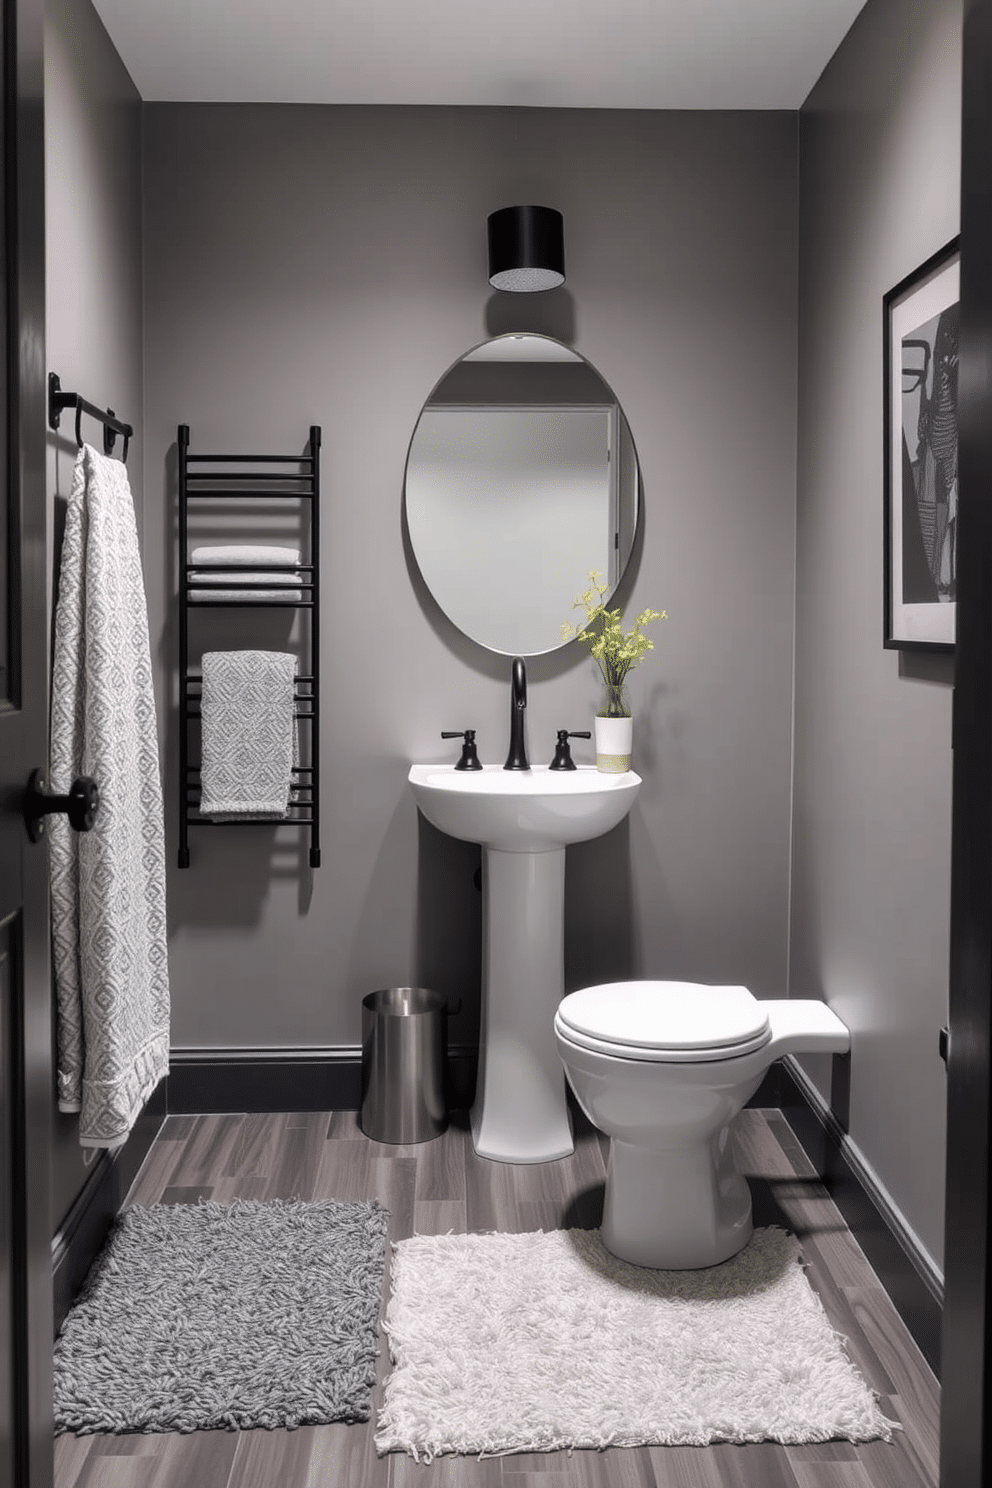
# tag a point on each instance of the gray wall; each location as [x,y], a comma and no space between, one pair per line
[93,252]
[328,265]
[879,193]
[307,264]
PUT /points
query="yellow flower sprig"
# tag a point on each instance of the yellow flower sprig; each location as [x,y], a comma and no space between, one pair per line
[614,650]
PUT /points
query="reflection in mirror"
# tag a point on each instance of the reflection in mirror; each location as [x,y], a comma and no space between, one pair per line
[521,478]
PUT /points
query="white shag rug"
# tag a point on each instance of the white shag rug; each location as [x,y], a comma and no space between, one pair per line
[537,1342]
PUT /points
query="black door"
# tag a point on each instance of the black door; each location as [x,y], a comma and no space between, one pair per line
[966,1418]
[25,1009]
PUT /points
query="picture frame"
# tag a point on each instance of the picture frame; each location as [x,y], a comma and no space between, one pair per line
[920,374]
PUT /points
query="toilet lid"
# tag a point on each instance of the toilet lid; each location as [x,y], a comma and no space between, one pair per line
[665,1020]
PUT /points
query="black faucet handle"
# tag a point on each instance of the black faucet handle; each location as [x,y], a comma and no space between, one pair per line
[563,757]
[470,759]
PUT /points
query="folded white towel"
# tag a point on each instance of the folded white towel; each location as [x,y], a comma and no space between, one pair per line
[210,585]
[248,733]
[243,596]
[213,576]
[251,555]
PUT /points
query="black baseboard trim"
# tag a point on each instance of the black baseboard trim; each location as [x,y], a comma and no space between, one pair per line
[202,1081]
[904,1268]
[78,1239]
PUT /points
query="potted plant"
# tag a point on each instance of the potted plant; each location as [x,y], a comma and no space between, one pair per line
[615,652]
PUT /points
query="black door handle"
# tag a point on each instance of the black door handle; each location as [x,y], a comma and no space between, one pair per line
[81,804]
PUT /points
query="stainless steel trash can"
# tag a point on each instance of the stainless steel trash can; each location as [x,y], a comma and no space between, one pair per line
[403,1049]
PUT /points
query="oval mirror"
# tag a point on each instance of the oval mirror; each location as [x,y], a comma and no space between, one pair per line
[521,478]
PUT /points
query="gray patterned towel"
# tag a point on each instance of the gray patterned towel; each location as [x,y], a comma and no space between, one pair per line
[248,733]
[108,885]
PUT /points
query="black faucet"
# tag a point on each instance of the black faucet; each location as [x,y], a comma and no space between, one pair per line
[517,757]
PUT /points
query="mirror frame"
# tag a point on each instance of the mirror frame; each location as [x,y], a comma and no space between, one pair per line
[619,422]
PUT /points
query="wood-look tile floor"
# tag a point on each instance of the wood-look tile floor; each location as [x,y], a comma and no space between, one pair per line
[442,1185]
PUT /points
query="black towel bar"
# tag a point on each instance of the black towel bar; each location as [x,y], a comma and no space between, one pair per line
[112,426]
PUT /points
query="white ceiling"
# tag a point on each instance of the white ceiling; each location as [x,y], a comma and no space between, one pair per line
[696,54]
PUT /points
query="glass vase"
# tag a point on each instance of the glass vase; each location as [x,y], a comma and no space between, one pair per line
[616,702]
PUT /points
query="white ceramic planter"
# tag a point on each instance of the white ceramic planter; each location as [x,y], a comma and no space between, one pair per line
[614,738]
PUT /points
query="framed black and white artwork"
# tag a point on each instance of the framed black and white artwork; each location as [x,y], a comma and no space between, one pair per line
[921,455]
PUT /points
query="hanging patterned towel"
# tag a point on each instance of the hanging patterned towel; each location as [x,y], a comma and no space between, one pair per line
[108,885]
[248,733]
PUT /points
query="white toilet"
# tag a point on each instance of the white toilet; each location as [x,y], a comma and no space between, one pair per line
[663,1068]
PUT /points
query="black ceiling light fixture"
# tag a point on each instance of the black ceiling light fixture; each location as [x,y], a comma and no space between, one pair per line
[526,249]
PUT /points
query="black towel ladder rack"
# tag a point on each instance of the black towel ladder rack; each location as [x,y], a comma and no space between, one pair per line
[233,477]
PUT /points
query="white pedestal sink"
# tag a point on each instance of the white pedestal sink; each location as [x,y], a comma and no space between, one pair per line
[524,819]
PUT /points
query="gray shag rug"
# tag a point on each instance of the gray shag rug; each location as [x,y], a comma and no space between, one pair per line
[226,1315]
[537,1342]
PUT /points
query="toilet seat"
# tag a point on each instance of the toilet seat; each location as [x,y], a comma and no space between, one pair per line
[664,1022]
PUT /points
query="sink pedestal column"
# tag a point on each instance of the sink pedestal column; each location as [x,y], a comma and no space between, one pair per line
[519,1114]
